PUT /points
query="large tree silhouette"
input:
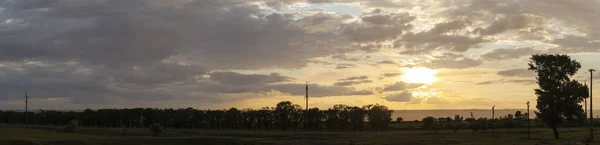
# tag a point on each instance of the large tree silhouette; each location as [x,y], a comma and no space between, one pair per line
[558,96]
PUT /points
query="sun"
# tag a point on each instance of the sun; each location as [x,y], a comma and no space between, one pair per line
[419,75]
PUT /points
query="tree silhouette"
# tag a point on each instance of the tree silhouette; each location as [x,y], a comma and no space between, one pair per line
[399,120]
[155,129]
[379,116]
[558,96]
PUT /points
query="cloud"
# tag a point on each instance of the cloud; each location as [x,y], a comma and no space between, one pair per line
[400,86]
[350,83]
[450,61]
[229,34]
[459,23]
[344,66]
[390,74]
[379,27]
[387,62]
[248,79]
[524,73]
[437,39]
[315,90]
[508,54]
[504,23]
[575,44]
[404,96]
[354,78]
[518,81]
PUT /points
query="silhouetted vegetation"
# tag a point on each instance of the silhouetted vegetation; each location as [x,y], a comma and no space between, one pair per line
[286,116]
[155,129]
[559,97]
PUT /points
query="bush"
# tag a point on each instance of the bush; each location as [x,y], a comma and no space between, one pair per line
[72,126]
[155,129]
[475,126]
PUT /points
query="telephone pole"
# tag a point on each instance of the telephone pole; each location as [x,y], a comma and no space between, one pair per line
[26,109]
[528,125]
[591,102]
[493,118]
[306,97]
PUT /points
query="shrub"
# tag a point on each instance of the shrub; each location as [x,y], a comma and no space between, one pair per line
[72,126]
[155,129]
[475,126]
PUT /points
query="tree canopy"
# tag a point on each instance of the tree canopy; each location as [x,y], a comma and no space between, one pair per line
[558,96]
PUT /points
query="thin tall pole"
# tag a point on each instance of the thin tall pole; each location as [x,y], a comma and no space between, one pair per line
[26,109]
[528,122]
[591,103]
[493,118]
[306,96]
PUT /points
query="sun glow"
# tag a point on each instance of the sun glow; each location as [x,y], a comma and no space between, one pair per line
[419,75]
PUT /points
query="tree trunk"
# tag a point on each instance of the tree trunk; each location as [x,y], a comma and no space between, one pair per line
[555,131]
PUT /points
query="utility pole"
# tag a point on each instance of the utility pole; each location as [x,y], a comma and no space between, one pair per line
[306,96]
[26,109]
[591,103]
[528,122]
[493,118]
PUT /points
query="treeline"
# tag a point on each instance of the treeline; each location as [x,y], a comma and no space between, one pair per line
[284,117]
[476,124]
[508,122]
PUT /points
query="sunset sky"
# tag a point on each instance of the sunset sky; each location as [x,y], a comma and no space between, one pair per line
[215,54]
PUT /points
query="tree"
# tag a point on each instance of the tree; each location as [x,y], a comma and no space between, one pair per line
[379,116]
[399,120]
[519,115]
[558,96]
[155,129]
[429,122]
[72,125]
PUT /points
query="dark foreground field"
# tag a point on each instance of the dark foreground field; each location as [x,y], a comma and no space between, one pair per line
[47,135]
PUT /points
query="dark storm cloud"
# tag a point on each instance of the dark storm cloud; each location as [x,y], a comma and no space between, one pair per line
[87,84]
[213,34]
[107,51]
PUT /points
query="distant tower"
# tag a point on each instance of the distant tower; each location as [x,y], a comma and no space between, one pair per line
[26,109]
[306,97]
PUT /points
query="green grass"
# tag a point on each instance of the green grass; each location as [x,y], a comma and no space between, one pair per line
[50,135]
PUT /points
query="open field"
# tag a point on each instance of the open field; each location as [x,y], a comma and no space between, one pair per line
[49,135]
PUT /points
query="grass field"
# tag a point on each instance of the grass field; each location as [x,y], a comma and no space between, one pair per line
[50,135]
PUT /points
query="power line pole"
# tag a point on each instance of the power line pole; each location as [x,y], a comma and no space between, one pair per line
[528,123]
[591,102]
[306,96]
[26,109]
[493,118]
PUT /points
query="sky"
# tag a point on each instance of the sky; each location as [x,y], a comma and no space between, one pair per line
[217,54]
